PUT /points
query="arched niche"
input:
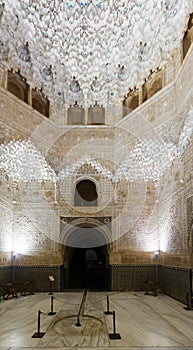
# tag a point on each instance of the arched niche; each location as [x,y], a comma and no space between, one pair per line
[17,85]
[131,102]
[40,102]
[96,115]
[76,115]
[152,85]
[188,36]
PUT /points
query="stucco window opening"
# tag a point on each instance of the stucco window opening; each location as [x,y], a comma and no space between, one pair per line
[86,194]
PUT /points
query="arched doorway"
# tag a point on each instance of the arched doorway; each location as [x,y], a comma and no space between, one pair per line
[87,257]
[88,268]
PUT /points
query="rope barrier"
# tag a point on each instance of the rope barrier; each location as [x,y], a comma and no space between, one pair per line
[113,335]
[65,302]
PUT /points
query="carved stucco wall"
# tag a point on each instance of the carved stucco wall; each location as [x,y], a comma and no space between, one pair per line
[145,217]
[27,225]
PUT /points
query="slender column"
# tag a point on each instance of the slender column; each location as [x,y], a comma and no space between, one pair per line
[30,96]
[5,79]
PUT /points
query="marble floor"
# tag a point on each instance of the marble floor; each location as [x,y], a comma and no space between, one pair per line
[143,322]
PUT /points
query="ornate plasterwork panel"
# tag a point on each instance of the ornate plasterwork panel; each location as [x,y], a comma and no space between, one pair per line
[90,50]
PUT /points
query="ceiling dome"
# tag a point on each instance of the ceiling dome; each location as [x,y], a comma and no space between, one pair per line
[109,45]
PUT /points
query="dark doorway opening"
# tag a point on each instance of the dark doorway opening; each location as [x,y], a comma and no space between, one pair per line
[88,268]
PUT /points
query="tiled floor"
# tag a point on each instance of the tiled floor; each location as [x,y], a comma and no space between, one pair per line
[143,321]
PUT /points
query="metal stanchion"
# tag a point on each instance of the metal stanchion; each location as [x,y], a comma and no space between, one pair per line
[108,312]
[38,334]
[51,279]
[188,303]
[52,306]
[114,335]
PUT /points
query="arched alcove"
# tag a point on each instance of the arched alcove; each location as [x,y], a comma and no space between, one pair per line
[188,36]
[86,253]
[40,102]
[17,85]
[88,271]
